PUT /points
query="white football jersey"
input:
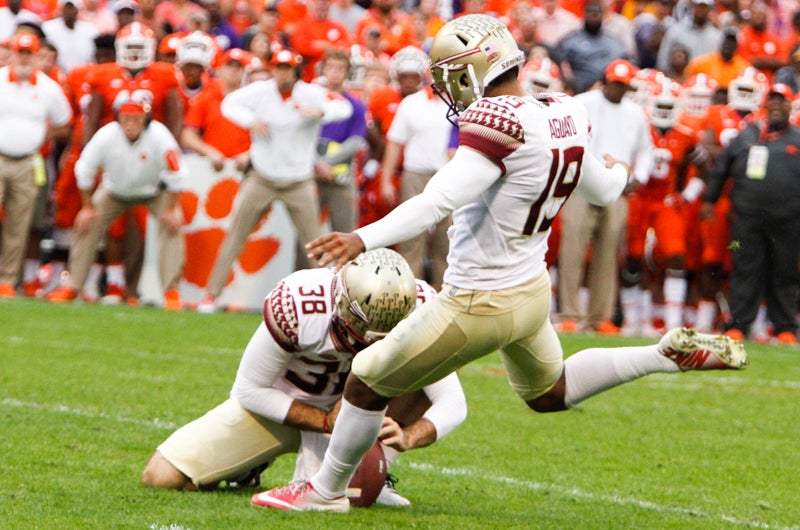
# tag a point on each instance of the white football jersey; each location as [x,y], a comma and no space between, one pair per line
[504,231]
[297,313]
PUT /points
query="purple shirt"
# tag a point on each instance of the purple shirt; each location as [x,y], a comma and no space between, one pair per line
[355,125]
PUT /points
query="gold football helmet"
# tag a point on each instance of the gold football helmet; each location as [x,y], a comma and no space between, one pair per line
[467,54]
[373,293]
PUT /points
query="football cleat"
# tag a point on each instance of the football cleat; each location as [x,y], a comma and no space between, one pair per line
[114,294]
[607,328]
[300,497]
[207,305]
[7,290]
[734,334]
[251,479]
[697,351]
[786,338]
[389,496]
[567,326]
[30,288]
[172,300]
[62,294]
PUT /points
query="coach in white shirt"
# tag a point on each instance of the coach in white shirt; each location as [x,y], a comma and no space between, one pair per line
[140,162]
[284,116]
[619,128]
[73,38]
[33,109]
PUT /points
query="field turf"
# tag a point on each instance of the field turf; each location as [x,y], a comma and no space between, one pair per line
[87,392]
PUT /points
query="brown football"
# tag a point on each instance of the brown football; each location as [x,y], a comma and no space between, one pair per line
[369,479]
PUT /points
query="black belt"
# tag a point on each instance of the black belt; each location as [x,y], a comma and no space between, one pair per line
[17,157]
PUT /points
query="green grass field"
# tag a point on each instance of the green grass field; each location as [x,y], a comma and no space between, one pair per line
[88,392]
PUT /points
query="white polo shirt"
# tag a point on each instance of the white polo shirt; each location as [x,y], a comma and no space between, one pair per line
[288,153]
[131,170]
[621,130]
[26,108]
[421,128]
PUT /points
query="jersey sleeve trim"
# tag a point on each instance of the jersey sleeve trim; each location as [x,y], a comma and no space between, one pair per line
[491,128]
[280,317]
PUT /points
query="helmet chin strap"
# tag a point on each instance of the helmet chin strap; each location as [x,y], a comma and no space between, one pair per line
[456,107]
[452,108]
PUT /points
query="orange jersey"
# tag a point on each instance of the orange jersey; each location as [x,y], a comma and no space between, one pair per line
[725,123]
[109,80]
[291,13]
[186,95]
[762,44]
[215,129]
[78,94]
[382,106]
[669,151]
[66,196]
[396,34]
[651,206]
[668,221]
[693,125]
[308,37]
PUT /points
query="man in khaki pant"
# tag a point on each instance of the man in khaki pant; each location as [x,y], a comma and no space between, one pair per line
[141,165]
[619,128]
[33,109]
[284,116]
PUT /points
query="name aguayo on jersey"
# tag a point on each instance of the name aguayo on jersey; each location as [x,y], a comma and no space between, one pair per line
[297,313]
[494,127]
[538,142]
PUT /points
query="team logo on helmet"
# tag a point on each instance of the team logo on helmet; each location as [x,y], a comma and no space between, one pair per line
[467,54]
[373,293]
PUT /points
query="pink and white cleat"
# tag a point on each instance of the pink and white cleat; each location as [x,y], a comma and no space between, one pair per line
[698,351]
[300,497]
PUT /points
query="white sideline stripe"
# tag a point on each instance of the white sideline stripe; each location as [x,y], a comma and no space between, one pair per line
[588,495]
[171,526]
[55,407]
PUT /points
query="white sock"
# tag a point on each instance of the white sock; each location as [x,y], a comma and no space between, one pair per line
[674,298]
[647,306]
[115,274]
[760,326]
[657,313]
[690,315]
[29,270]
[353,434]
[629,299]
[706,315]
[595,370]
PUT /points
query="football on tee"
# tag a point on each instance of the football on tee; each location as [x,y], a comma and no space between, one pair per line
[369,478]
